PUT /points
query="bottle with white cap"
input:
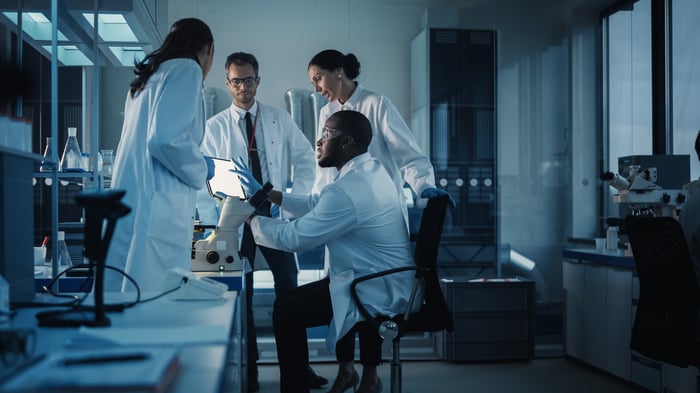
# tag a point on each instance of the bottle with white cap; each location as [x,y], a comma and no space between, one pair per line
[72,158]
[611,238]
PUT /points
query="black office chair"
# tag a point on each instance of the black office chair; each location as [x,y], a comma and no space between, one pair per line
[665,325]
[434,314]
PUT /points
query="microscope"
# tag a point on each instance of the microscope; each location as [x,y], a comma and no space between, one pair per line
[219,252]
[644,197]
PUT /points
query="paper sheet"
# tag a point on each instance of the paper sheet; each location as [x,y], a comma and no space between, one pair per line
[186,335]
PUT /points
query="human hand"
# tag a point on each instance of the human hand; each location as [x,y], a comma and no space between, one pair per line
[210,167]
[437,192]
[248,182]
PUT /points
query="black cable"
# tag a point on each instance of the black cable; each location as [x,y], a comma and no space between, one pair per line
[184,280]
[76,303]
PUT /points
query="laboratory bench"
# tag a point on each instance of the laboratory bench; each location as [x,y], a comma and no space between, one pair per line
[208,334]
[601,290]
[65,283]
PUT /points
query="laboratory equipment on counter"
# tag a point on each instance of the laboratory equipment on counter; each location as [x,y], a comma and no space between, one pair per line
[674,169]
[64,259]
[644,197]
[46,164]
[102,210]
[611,237]
[72,158]
[219,252]
[106,167]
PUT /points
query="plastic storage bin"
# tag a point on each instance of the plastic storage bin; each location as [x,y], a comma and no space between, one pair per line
[494,319]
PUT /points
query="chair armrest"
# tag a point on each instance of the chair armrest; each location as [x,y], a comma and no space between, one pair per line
[358,280]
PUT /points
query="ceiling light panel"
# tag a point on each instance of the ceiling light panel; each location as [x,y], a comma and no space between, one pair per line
[36,25]
[111,27]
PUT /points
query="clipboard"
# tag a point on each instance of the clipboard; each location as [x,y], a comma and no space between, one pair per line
[224,180]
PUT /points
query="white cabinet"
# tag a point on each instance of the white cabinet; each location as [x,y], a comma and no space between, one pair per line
[600,301]
[598,316]
[594,322]
[618,317]
[573,279]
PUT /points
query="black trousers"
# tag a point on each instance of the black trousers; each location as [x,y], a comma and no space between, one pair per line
[284,272]
[310,306]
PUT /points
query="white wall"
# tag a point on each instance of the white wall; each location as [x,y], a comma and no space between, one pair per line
[284,35]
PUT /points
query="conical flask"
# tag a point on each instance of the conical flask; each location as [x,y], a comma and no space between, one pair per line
[46,164]
[71,159]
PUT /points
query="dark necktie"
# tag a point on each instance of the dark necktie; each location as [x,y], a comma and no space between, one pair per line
[254,161]
[253,158]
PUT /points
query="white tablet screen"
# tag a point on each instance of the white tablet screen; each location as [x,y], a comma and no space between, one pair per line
[224,180]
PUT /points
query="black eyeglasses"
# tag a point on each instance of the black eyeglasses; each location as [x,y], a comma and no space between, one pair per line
[249,81]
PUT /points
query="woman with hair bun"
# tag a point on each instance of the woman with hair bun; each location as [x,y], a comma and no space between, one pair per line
[333,75]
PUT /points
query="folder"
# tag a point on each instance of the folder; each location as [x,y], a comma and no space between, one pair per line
[138,370]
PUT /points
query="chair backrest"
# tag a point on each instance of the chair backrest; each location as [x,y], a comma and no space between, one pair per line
[434,314]
[668,294]
[430,232]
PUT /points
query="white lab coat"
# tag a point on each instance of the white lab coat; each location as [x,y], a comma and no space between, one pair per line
[393,143]
[359,218]
[283,144]
[160,165]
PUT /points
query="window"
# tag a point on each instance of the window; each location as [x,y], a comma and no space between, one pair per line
[651,86]
[686,79]
[628,73]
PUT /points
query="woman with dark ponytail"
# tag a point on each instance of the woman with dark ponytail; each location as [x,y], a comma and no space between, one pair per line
[158,160]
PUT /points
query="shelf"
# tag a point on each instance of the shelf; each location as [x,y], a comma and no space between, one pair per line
[21,153]
[64,175]
[71,225]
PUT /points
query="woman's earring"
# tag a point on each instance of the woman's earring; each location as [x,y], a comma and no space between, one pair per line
[340,77]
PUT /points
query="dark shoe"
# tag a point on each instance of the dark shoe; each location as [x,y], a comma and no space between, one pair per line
[315,381]
[377,388]
[340,386]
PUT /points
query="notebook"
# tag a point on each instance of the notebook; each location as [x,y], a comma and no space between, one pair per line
[125,370]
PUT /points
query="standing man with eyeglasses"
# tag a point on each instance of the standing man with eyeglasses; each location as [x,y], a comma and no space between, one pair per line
[276,150]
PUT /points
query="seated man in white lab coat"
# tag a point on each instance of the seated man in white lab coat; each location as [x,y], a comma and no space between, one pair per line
[359,218]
